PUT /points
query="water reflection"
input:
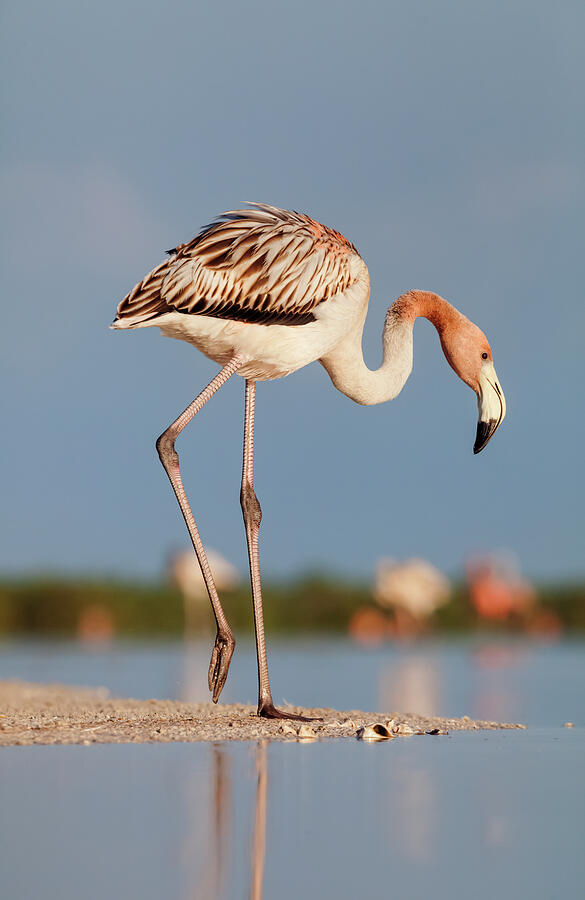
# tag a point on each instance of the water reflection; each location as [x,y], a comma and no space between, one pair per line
[526,681]
[208,850]
[416,803]
[420,682]
[488,686]
[496,694]
[222,795]
[193,682]
[412,685]
[416,816]
[208,845]
[259,840]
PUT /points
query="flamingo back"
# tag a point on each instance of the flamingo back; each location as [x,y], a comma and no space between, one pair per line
[261,264]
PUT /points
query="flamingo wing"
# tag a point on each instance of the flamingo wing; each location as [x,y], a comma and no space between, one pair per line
[261,264]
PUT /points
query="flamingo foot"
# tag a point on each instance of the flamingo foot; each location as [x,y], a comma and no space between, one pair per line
[221,655]
[269,711]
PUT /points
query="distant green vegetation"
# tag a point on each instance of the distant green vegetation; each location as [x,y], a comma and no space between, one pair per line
[56,606]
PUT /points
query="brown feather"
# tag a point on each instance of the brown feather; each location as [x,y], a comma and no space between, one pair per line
[261,264]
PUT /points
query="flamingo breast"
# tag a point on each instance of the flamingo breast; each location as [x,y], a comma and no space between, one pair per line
[273,350]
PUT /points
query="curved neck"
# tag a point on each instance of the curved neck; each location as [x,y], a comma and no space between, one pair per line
[345,364]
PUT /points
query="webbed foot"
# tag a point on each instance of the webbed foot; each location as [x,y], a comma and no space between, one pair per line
[269,711]
[220,662]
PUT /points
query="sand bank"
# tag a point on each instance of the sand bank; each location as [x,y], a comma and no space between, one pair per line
[55,714]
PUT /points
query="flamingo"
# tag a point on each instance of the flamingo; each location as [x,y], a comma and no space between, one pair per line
[264,291]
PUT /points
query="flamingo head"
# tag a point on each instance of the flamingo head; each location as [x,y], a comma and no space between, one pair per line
[468,352]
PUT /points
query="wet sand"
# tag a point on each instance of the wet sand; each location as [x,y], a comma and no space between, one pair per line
[55,714]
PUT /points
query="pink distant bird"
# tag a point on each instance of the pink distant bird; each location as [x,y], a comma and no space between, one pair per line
[264,291]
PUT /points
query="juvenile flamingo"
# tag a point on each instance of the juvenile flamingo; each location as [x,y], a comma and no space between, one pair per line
[264,291]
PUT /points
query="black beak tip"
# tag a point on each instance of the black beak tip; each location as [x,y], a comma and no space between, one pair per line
[485,430]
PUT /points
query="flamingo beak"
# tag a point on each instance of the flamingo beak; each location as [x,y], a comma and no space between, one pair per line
[491,404]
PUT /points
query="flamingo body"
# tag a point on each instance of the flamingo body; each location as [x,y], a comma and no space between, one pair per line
[263,292]
[269,284]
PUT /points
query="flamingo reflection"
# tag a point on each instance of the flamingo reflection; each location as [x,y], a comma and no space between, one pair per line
[211,834]
[259,839]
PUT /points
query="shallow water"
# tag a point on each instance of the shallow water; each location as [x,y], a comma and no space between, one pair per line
[465,815]
[503,679]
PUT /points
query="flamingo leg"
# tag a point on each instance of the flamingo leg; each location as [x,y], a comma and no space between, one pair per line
[252,518]
[224,641]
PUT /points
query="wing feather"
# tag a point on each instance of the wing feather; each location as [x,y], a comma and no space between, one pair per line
[260,264]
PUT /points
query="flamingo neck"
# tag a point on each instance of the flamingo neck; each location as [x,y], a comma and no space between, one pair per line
[346,366]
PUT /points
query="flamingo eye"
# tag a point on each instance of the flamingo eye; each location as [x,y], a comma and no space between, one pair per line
[484,356]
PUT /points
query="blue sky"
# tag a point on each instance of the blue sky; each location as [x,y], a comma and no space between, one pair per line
[445,140]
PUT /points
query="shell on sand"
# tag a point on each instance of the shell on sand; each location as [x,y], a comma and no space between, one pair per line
[375,731]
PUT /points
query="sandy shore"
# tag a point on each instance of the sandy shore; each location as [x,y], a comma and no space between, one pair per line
[54,714]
